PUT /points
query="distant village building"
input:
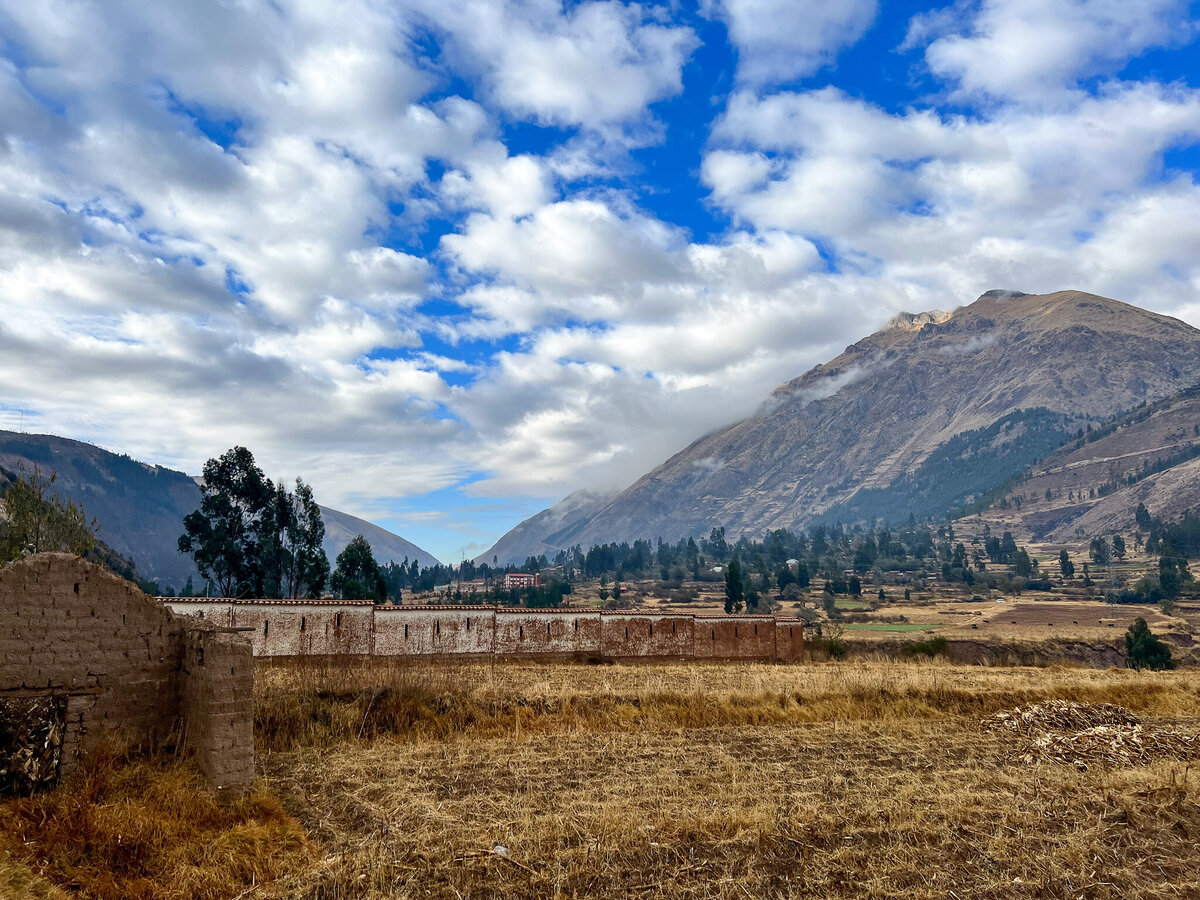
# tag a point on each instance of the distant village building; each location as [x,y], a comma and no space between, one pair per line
[521,580]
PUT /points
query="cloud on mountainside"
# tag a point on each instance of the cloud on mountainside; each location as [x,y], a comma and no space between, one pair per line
[400,248]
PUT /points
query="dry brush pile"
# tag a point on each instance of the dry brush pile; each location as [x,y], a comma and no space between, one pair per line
[1091,734]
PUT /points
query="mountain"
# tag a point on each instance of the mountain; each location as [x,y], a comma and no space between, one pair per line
[540,534]
[341,528]
[141,507]
[931,411]
[1094,484]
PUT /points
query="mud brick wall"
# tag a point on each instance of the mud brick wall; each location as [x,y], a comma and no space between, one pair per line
[217,703]
[434,631]
[289,628]
[69,627]
[547,632]
[331,627]
[633,635]
[789,640]
[735,637]
[74,630]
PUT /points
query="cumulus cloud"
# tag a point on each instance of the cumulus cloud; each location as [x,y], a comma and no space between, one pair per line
[596,64]
[781,40]
[1033,50]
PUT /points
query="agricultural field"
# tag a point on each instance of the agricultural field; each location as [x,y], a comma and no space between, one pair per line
[871,779]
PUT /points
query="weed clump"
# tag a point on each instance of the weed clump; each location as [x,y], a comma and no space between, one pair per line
[136,828]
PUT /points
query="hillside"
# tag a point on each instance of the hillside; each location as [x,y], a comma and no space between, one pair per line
[1093,485]
[141,507]
[538,534]
[933,410]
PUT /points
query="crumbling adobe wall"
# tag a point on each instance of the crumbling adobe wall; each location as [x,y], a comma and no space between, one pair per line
[217,702]
[73,631]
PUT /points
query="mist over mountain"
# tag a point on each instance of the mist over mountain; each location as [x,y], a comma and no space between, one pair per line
[933,410]
[140,507]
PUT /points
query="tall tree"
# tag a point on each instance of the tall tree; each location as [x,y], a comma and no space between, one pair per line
[305,567]
[735,590]
[358,576]
[36,521]
[1065,565]
[1145,651]
[225,535]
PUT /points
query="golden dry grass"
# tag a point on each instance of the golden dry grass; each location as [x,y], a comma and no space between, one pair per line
[869,780]
[128,828]
[864,779]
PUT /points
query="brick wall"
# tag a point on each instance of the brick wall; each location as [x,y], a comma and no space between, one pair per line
[71,629]
[292,628]
[634,635]
[547,633]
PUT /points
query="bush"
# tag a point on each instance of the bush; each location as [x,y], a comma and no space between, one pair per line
[931,647]
[1145,651]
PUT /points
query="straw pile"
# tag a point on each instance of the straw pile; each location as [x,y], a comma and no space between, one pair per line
[1090,734]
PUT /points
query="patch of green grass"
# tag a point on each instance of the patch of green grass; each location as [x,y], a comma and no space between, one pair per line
[896,626]
[849,603]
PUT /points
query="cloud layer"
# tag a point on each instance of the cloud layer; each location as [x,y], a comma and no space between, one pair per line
[422,254]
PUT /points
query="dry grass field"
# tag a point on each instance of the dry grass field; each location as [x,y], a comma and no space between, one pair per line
[871,779]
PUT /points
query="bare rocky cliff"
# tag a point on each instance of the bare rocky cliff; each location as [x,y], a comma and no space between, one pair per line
[933,409]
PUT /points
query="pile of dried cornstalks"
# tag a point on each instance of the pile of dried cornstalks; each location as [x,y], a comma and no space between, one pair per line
[30,743]
[1088,734]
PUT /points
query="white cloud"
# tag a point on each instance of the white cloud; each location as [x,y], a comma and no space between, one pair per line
[781,40]
[1037,49]
[596,64]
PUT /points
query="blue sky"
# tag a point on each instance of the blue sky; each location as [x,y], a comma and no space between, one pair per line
[450,262]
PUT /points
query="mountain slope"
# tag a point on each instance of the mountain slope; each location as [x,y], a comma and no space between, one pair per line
[141,507]
[540,534]
[853,433]
[1150,456]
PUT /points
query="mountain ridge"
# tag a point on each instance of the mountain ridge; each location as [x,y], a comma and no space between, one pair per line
[869,418]
[140,506]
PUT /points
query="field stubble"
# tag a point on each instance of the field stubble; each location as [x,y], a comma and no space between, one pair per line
[870,779]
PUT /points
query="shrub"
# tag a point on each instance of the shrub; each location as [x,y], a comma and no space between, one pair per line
[931,647]
[1145,651]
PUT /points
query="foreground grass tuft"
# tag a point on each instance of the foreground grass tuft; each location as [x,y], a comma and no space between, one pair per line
[147,829]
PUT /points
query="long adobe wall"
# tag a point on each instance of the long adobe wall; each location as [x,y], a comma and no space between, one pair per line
[325,627]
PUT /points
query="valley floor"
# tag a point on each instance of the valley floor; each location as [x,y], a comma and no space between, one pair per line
[857,779]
